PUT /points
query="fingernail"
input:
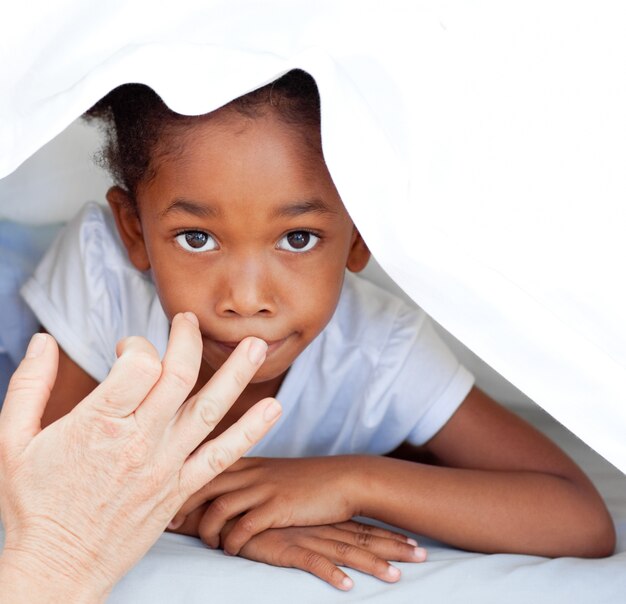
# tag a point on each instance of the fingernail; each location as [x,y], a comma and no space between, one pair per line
[411,541]
[347,583]
[174,524]
[191,318]
[393,572]
[419,553]
[36,346]
[257,351]
[272,411]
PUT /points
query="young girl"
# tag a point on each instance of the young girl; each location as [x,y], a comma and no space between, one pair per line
[233,215]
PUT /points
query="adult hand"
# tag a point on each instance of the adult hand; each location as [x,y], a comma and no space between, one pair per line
[84,499]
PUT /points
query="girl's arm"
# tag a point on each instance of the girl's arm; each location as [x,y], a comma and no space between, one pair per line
[72,385]
[499,486]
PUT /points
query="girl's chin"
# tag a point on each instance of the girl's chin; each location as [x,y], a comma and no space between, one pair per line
[262,375]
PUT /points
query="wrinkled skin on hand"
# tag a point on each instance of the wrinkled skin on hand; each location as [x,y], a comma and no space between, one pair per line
[122,462]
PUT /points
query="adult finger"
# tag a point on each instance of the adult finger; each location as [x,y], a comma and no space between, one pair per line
[180,367]
[134,373]
[214,456]
[387,549]
[29,391]
[202,412]
[317,564]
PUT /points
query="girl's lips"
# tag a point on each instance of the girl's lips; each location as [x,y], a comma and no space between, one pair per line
[228,347]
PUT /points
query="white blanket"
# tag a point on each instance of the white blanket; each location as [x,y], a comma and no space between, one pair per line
[480,148]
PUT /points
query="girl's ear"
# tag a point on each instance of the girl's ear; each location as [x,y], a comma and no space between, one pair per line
[129,227]
[359,253]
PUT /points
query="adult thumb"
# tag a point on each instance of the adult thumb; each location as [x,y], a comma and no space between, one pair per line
[29,391]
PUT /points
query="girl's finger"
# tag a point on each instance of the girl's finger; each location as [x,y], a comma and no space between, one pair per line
[214,456]
[199,415]
[258,519]
[28,392]
[226,482]
[180,367]
[317,564]
[369,529]
[352,556]
[387,549]
[225,508]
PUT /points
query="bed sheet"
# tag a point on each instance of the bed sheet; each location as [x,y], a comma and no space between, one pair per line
[181,569]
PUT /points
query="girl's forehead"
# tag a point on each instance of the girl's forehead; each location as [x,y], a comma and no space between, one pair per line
[233,156]
[231,143]
[222,125]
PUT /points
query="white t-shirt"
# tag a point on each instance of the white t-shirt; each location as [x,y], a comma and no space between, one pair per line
[377,375]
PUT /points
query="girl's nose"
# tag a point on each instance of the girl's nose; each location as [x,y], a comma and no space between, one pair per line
[246,292]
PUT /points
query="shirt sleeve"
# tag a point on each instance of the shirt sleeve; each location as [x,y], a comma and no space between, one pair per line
[72,292]
[426,382]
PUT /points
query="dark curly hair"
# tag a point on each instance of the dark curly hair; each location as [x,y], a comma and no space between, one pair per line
[137,122]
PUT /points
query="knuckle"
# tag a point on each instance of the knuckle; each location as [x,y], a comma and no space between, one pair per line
[180,375]
[364,539]
[240,378]
[221,505]
[209,411]
[313,561]
[111,427]
[249,437]
[25,384]
[136,452]
[291,555]
[145,364]
[343,549]
[247,525]
[218,459]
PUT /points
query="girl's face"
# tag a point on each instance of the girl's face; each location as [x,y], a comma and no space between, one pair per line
[242,225]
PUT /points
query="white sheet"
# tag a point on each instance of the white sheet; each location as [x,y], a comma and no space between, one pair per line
[480,148]
[181,569]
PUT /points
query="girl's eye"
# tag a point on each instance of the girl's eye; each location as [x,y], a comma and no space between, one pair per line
[298,241]
[196,241]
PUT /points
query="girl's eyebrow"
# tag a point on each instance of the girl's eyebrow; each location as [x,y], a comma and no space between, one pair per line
[288,210]
[306,206]
[180,204]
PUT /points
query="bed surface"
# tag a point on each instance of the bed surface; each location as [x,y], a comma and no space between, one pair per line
[181,569]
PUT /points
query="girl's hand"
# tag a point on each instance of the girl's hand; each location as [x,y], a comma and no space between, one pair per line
[275,493]
[320,550]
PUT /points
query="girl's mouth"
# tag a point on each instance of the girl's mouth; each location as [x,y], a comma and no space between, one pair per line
[228,347]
